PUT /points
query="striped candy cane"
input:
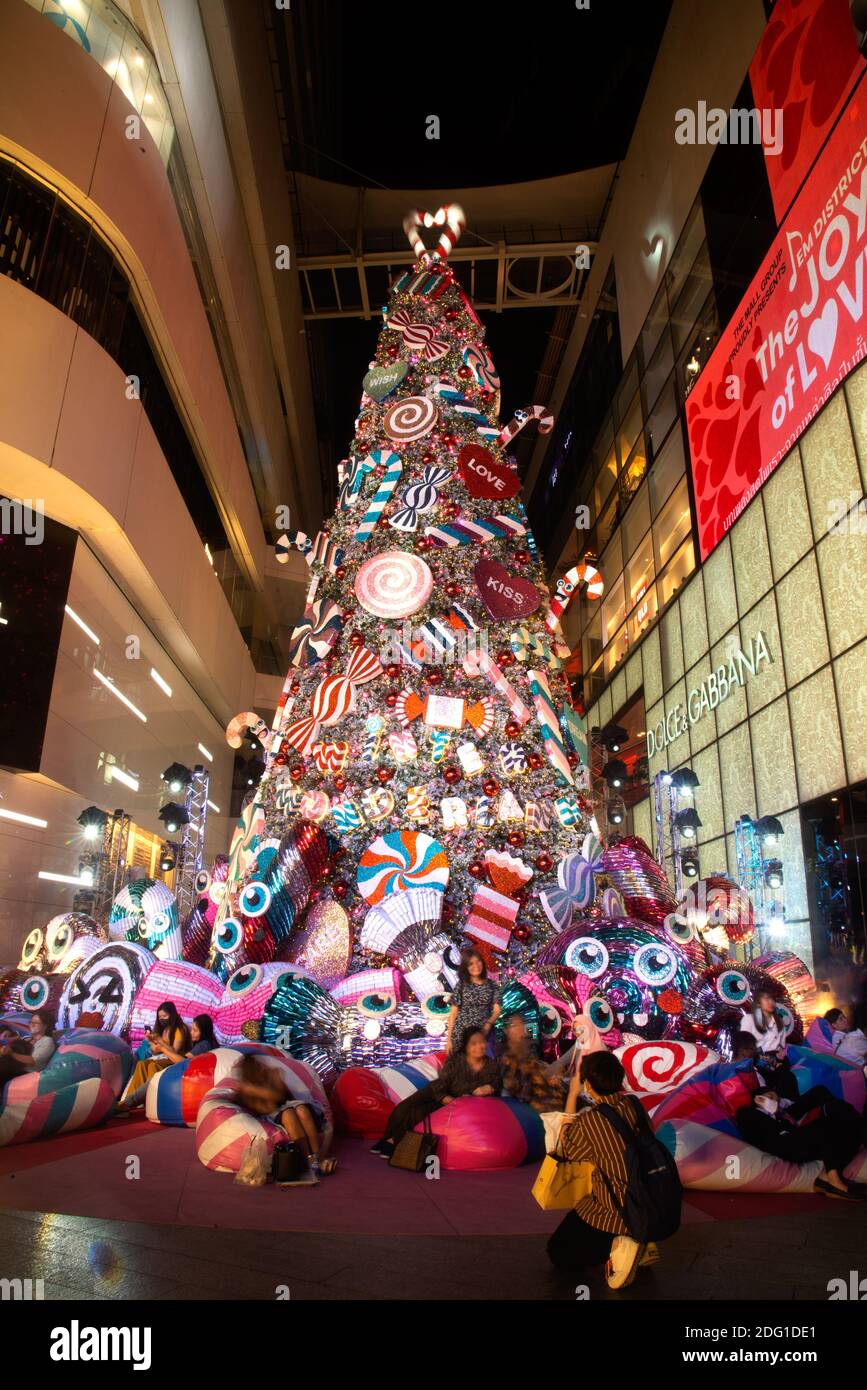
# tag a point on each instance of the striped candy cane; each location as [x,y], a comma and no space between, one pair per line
[481,661]
[522,418]
[381,496]
[452,220]
[578,575]
[546,714]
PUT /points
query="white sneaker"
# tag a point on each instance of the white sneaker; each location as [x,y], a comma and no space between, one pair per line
[623,1262]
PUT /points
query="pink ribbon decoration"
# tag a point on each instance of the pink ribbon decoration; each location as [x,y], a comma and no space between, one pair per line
[333,698]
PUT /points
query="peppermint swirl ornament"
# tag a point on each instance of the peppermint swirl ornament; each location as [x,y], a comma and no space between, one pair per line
[393,584]
[410,418]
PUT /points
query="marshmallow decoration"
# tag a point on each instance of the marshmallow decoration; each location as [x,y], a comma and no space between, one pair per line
[69,939]
[146,912]
[193,989]
[393,584]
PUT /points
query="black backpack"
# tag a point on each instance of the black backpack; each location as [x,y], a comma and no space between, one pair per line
[651,1208]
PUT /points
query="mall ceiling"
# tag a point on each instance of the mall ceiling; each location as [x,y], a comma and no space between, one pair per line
[516,101]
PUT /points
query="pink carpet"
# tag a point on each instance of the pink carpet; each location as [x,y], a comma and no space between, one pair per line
[87,1175]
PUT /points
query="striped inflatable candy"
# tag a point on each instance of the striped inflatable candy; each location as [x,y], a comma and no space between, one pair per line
[192,988]
[224,1130]
[76,1090]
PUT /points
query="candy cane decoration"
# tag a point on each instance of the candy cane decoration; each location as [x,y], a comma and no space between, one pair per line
[578,575]
[236,727]
[452,220]
[522,418]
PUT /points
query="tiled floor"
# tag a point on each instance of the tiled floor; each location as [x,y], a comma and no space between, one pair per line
[786,1257]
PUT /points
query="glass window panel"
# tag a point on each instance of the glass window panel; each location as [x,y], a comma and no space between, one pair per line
[605,527]
[659,369]
[687,249]
[26,219]
[655,322]
[105,34]
[680,568]
[591,648]
[593,683]
[695,291]
[613,609]
[702,341]
[673,523]
[625,391]
[617,651]
[636,522]
[639,572]
[633,474]
[605,480]
[136,62]
[661,418]
[93,286]
[644,613]
[668,468]
[630,428]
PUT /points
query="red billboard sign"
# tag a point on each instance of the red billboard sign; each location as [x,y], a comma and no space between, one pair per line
[796,334]
[805,66]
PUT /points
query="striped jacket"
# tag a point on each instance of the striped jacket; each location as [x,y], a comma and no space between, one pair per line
[591,1138]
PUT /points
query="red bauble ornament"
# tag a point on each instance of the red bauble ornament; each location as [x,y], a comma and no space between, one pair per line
[280,760]
[340,890]
[516,838]
[428,456]
[522,556]
[476,868]
[451,314]
[505,657]
[535,760]
[339,783]
[393,671]
[521,932]
[572,759]
[355,639]
[513,728]
[490,786]
[452,509]
[434,677]
[544,863]
[392,350]
[340,572]
[391,698]
[453,589]
[452,774]
[296,772]
[450,440]
[385,774]
[448,913]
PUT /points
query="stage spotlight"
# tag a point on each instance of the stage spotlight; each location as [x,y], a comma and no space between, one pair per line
[769,829]
[774,874]
[92,821]
[689,863]
[685,781]
[177,777]
[615,773]
[616,813]
[168,857]
[174,816]
[614,737]
[687,822]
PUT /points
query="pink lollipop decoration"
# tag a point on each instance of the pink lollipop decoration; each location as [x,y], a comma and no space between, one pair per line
[410,418]
[393,584]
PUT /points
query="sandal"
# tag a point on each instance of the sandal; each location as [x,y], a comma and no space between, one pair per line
[327,1165]
[829,1190]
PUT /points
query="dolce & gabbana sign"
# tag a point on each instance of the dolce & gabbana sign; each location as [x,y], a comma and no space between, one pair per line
[716,687]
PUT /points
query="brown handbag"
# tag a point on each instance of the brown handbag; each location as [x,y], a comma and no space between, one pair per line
[413,1150]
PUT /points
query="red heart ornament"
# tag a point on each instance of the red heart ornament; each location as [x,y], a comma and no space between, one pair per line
[484,476]
[506,596]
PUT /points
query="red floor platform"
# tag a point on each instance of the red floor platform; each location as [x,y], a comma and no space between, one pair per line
[87,1174]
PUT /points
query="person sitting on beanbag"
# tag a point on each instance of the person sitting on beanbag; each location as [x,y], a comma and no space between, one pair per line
[262,1091]
[525,1078]
[19,1057]
[776,1126]
[467,1072]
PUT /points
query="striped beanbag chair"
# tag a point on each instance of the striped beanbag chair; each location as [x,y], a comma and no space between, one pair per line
[224,1129]
[713,1161]
[364,1097]
[78,1088]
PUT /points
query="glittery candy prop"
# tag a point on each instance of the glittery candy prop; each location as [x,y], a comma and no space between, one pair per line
[243,998]
[427,283]
[146,912]
[245,841]
[331,757]
[655,1067]
[714,903]
[612,904]
[379,382]
[315,635]
[522,418]
[463,530]
[478,661]
[639,880]
[419,497]
[642,974]
[197,929]
[333,698]
[421,338]
[78,1089]
[455,815]
[513,760]
[106,985]
[375,508]
[574,891]
[354,474]
[418,805]
[534,646]
[539,816]
[400,860]
[573,579]
[552,739]
[69,939]
[321,552]
[377,803]
[25,991]
[714,1004]
[450,219]
[492,917]
[346,815]
[393,584]
[192,988]
[481,364]
[445,712]
[409,419]
[277,898]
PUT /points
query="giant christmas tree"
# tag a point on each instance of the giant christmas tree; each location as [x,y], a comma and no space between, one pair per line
[426,780]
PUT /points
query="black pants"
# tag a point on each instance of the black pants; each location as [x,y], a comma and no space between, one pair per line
[411,1112]
[575,1245]
[10,1067]
[778,1076]
[835,1137]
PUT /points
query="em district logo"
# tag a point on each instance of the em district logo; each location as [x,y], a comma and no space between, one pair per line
[77,1343]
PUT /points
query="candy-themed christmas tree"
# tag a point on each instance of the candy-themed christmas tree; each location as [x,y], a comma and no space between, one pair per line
[425,749]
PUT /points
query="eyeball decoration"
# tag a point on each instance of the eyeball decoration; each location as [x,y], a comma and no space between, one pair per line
[198,928]
[70,938]
[40,992]
[33,951]
[601,1014]
[245,997]
[716,1002]
[642,974]
[733,987]
[146,912]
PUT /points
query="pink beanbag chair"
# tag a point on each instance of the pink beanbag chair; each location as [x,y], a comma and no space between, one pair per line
[364,1097]
[712,1161]
[487,1133]
[224,1129]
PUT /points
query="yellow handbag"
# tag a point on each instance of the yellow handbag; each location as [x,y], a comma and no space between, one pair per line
[561,1183]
